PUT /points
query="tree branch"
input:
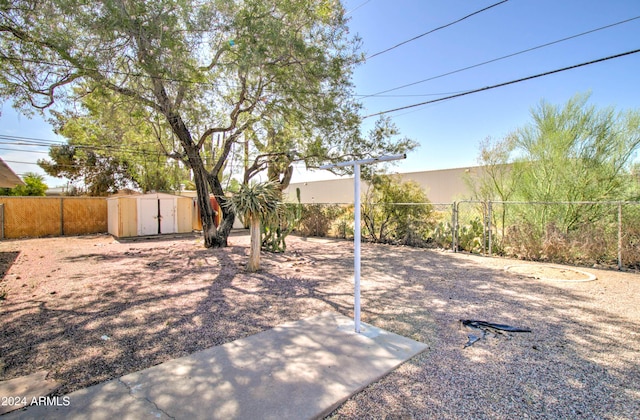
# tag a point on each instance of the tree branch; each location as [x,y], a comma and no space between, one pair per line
[214,60]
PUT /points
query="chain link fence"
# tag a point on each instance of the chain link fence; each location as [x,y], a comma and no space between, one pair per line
[583,233]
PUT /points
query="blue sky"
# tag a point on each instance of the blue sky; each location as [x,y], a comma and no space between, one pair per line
[449,131]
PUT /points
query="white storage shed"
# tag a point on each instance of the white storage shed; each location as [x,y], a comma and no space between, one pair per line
[149,214]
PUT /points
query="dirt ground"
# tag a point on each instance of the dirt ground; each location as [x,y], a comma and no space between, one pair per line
[89,309]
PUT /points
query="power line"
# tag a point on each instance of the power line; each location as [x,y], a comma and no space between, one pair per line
[46,142]
[356,8]
[409,95]
[34,142]
[23,150]
[502,58]
[611,57]
[235,167]
[436,29]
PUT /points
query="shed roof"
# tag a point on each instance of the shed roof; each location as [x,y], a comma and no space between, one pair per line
[150,195]
[8,178]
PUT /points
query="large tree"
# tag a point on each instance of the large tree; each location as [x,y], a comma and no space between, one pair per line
[207,68]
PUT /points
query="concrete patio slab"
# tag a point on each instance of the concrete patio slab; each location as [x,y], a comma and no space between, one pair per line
[16,390]
[299,370]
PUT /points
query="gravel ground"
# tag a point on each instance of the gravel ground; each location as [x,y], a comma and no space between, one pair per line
[89,309]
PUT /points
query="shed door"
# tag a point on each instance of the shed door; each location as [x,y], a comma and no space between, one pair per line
[148,220]
[167,215]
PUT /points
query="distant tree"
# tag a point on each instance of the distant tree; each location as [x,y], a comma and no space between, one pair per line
[497,179]
[100,174]
[576,153]
[112,144]
[567,154]
[634,184]
[34,186]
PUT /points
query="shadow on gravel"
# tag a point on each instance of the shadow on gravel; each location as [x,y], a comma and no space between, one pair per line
[141,307]
[578,361]
[6,261]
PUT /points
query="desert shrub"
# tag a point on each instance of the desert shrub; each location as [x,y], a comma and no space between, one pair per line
[318,219]
[396,211]
[342,225]
[441,236]
[471,236]
[631,236]
[585,245]
[555,245]
[276,228]
[522,240]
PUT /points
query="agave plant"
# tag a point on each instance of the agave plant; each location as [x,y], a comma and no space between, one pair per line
[255,203]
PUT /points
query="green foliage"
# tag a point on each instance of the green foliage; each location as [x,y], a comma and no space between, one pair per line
[498,179]
[34,186]
[113,145]
[442,234]
[396,211]
[342,225]
[276,229]
[571,153]
[575,153]
[471,236]
[101,175]
[260,200]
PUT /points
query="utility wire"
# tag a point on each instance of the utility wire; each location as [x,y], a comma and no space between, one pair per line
[575,66]
[356,8]
[436,29]
[106,148]
[33,142]
[79,165]
[501,58]
[23,150]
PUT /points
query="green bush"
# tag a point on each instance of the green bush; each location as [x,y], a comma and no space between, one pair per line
[470,236]
[442,234]
[342,225]
[396,211]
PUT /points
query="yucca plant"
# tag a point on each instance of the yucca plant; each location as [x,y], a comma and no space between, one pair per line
[255,203]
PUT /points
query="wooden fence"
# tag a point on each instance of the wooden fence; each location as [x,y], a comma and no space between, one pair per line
[34,217]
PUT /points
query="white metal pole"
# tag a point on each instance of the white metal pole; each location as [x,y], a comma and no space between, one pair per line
[356,220]
[356,246]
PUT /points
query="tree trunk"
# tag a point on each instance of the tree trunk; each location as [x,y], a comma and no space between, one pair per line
[254,252]
[213,237]
[228,217]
